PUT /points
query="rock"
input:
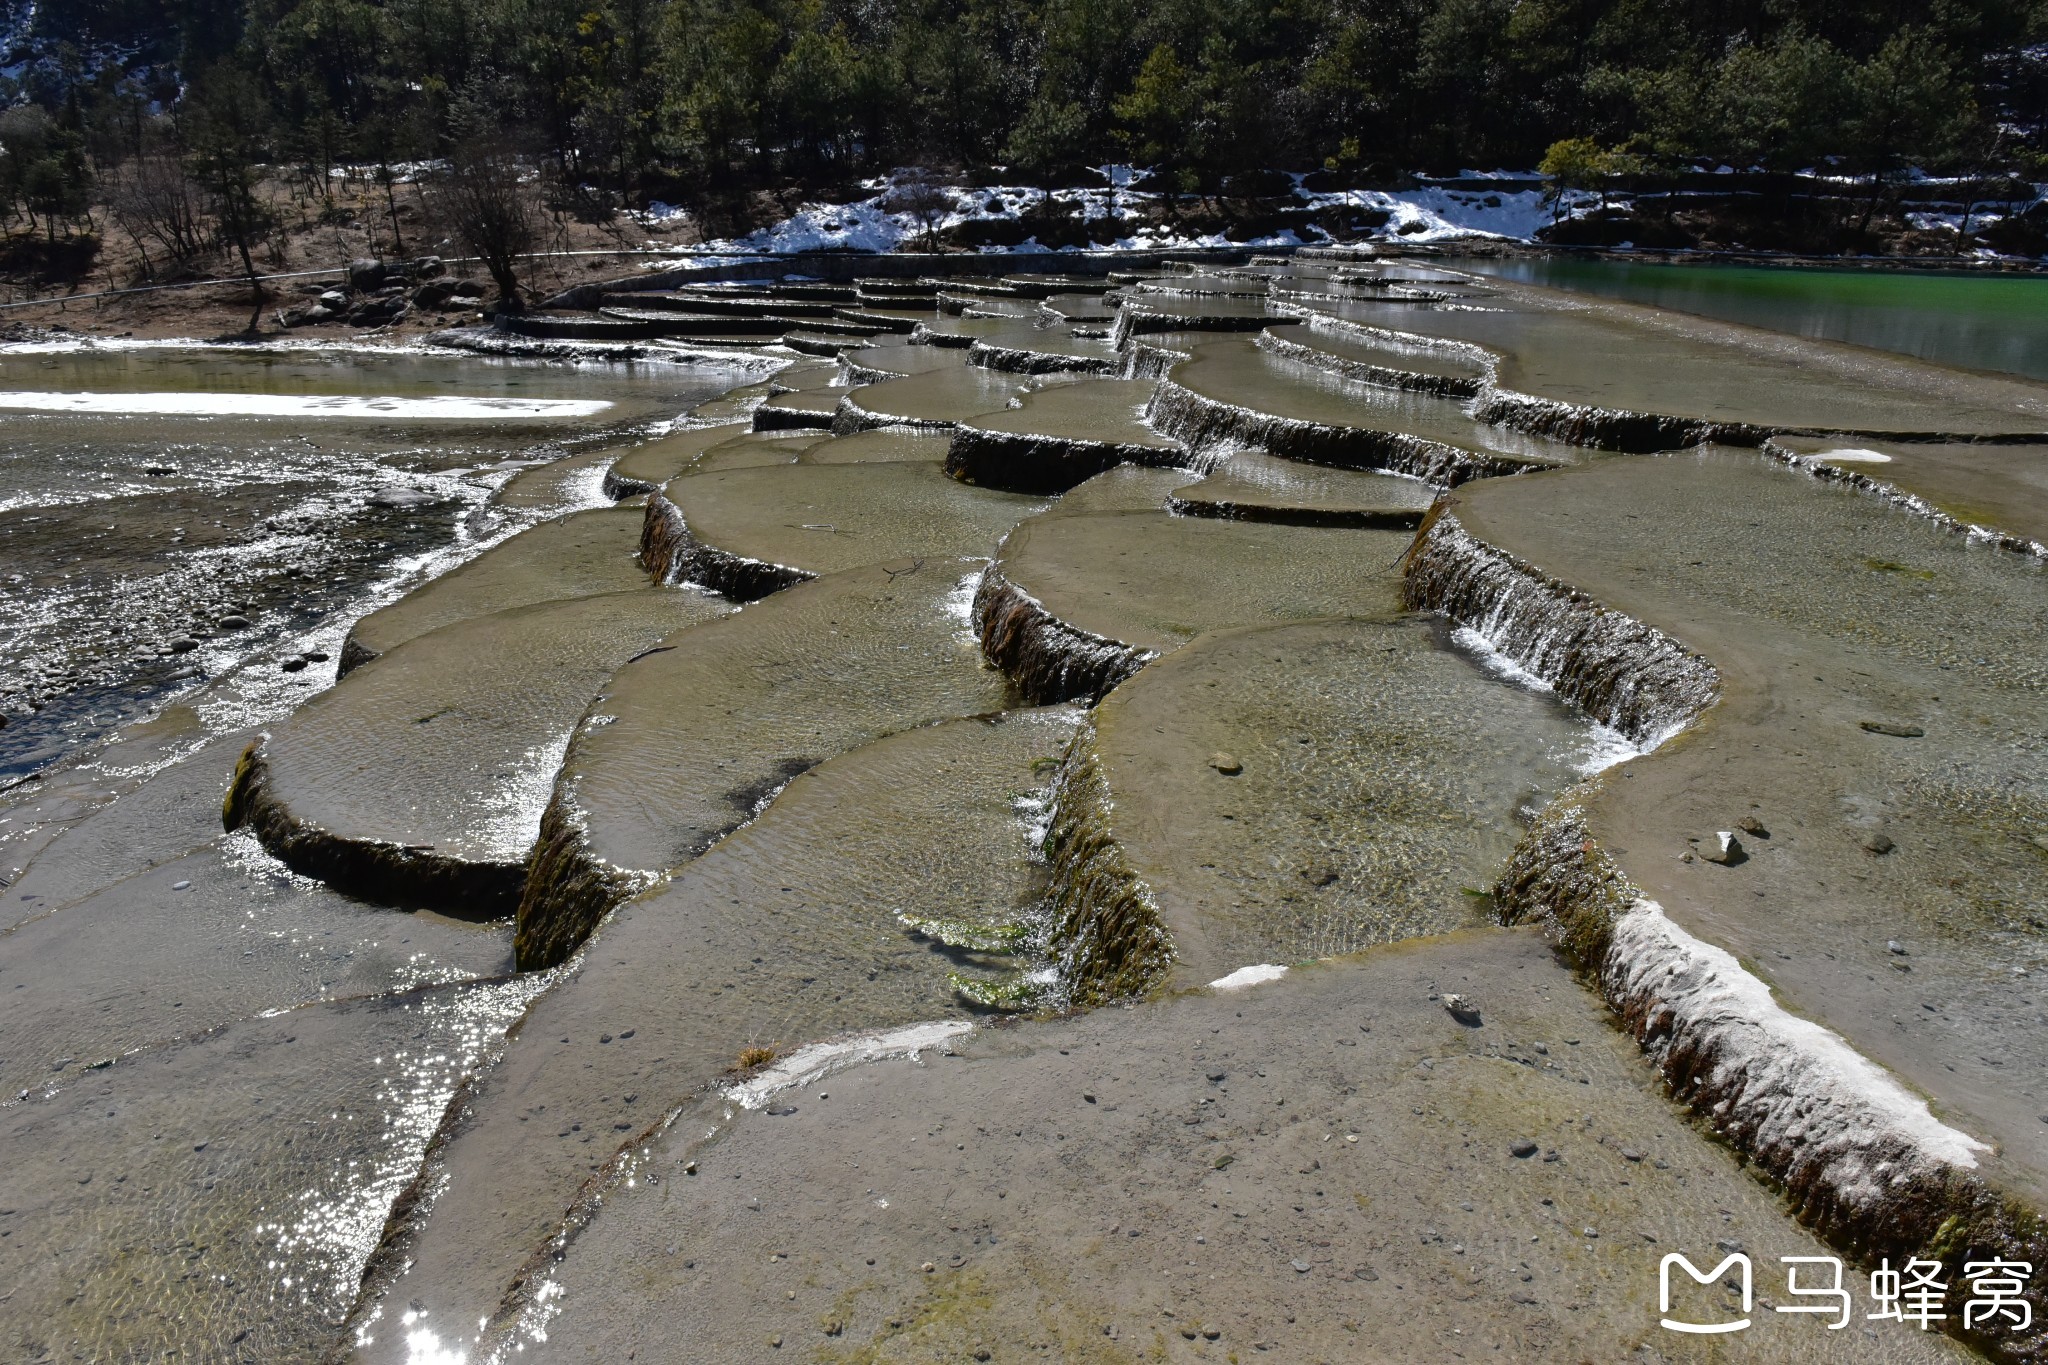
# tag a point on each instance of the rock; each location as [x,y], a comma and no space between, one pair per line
[1210,1332]
[293,665]
[1300,1267]
[434,293]
[233,623]
[378,311]
[1522,1147]
[1227,764]
[1895,946]
[333,299]
[426,267]
[1749,824]
[468,289]
[1463,1010]
[1727,850]
[1893,728]
[365,274]
[306,315]
[400,498]
[1878,844]
[316,656]
[183,646]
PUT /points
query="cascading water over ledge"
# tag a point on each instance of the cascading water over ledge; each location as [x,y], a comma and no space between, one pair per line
[1621,672]
[1032,462]
[1048,660]
[1106,935]
[1820,467]
[1364,372]
[378,870]
[1022,360]
[1203,423]
[1863,1161]
[670,554]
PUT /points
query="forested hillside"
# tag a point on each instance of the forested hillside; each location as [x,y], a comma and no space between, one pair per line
[167,107]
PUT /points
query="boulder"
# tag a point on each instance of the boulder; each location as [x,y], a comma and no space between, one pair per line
[365,274]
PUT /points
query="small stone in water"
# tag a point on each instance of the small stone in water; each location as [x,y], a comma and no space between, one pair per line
[184,646]
[293,665]
[180,886]
[316,656]
[1300,1267]
[1522,1147]
[1895,946]
[1879,844]
[1227,764]
[234,623]
[1892,728]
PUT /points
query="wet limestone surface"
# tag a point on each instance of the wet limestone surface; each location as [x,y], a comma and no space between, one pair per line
[583,554]
[884,444]
[1254,487]
[785,932]
[1302,791]
[1025,334]
[940,397]
[216,1197]
[1627,358]
[752,450]
[1110,411]
[118,955]
[827,517]
[447,744]
[1126,488]
[658,461]
[1827,612]
[800,408]
[1155,581]
[900,357]
[1387,352]
[1235,371]
[1103,1188]
[734,405]
[685,742]
[2001,487]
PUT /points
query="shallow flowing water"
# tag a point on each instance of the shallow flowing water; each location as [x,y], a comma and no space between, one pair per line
[129,538]
[615,752]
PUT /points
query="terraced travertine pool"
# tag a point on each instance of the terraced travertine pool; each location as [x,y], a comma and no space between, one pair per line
[1317,805]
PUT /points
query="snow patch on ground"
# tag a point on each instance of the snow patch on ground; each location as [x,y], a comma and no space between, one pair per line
[1424,214]
[1255,975]
[816,1061]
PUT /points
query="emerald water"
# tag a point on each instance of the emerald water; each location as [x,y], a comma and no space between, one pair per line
[1979,322]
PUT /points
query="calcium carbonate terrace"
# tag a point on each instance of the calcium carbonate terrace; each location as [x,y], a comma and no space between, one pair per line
[1032,816]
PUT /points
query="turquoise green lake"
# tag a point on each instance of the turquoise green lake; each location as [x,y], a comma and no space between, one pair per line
[1979,322]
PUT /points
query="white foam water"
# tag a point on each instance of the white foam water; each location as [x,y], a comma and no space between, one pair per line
[376,407]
